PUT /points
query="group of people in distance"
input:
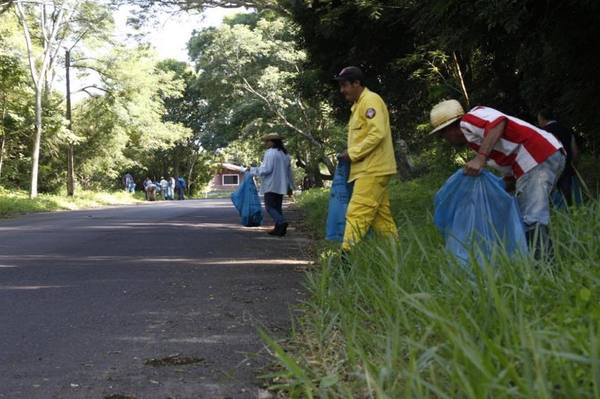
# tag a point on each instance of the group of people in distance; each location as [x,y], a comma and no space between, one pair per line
[163,187]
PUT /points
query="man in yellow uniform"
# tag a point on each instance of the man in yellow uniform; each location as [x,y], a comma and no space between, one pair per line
[371,153]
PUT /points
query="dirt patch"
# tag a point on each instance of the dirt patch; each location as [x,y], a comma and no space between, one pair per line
[118,396]
[173,360]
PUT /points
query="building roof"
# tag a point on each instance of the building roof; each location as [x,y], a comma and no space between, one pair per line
[233,167]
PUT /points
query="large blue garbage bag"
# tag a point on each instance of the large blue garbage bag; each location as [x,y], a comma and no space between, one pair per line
[476,212]
[247,202]
[339,197]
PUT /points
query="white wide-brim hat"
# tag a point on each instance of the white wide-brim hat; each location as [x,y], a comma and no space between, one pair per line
[444,114]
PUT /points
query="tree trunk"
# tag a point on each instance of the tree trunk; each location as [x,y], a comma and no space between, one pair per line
[71,170]
[2,145]
[314,175]
[3,142]
[189,177]
[71,150]
[35,156]
[176,170]
[463,86]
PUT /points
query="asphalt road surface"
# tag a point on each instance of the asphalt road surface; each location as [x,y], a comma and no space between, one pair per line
[154,301]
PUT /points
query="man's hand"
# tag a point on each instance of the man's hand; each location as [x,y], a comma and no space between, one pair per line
[290,192]
[475,165]
[343,156]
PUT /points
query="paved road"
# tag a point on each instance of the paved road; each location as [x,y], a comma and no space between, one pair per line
[89,298]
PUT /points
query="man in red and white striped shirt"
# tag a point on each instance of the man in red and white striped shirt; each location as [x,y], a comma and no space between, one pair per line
[519,149]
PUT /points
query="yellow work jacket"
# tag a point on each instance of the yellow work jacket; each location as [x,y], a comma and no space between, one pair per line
[370,138]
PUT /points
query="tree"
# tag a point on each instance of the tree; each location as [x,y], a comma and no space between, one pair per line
[188,157]
[14,100]
[57,22]
[536,54]
[12,93]
[516,56]
[99,29]
[123,128]
[147,7]
[248,74]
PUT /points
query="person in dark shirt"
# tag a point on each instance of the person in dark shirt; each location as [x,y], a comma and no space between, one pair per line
[180,188]
[547,121]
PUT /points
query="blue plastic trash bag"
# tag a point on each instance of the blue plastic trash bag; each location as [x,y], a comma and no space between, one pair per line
[247,202]
[339,197]
[476,212]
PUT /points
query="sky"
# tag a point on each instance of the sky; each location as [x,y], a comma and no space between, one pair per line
[172,32]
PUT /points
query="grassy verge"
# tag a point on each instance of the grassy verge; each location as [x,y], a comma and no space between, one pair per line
[405,322]
[13,203]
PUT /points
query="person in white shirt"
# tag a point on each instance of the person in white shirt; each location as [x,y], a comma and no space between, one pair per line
[164,188]
[277,180]
[129,183]
[171,189]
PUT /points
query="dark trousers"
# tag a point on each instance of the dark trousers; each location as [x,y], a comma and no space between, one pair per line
[565,185]
[273,204]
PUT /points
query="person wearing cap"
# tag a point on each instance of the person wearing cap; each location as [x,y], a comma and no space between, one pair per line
[519,150]
[371,154]
[547,121]
[277,180]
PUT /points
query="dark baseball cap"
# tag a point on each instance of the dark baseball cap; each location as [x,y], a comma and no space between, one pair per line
[350,74]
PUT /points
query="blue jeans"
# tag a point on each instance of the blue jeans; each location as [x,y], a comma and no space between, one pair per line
[273,205]
[533,191]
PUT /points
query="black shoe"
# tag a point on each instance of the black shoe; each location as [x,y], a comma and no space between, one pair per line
[279,230]
[283,231]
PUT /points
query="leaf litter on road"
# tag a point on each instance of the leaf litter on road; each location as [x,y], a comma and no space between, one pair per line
[176,359]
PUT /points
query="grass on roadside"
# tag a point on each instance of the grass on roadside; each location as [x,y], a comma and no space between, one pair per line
[406,322]
[13,203]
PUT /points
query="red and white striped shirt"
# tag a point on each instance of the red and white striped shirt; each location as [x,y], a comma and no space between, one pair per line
[521,147]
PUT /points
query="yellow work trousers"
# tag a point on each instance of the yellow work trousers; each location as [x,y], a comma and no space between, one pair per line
[369,208]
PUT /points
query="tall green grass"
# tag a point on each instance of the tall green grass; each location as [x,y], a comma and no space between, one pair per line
[405,321]
[16,202]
